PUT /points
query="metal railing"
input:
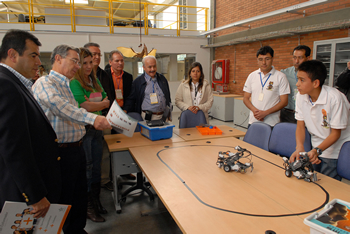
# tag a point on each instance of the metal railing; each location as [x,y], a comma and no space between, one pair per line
[110,14]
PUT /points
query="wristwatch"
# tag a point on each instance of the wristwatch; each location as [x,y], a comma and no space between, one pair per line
[318,150]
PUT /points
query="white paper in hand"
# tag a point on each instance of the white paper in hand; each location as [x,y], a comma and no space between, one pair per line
[120,121]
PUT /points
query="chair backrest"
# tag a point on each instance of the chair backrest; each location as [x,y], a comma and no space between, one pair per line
[189,120]
[343,166]
[258,134]
[138,117]
[282,140]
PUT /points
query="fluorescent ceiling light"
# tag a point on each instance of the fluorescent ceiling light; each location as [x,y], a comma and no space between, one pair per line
[77,1]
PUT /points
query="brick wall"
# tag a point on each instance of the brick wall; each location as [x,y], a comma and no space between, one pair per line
[229,11]
[246,54]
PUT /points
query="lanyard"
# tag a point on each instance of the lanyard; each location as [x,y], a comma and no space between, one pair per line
[195,92]
[153,84]
[118,83]
[311,100]
[263,85]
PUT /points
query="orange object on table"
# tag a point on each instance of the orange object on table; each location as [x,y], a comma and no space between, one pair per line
[209,131]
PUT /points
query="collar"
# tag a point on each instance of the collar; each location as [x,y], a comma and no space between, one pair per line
[148,77]
[59,77]
[195,85]
[322,98]
[26,82]
[272,72]
[118,77]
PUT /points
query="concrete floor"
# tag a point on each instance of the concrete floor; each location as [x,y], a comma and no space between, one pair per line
[130,220]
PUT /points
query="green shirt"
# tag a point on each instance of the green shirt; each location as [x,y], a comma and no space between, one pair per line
[79,93]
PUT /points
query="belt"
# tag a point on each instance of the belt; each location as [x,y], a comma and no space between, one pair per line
[156,113]
[87,127]
[69,145]
[289,110]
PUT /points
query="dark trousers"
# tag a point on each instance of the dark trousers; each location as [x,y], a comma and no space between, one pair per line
[287,116]
[74,188]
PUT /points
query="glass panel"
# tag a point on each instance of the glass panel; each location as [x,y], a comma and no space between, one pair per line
[323,54]
[342,56]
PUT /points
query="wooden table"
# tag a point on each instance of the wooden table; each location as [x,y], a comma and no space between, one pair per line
[194,189]
[190,134]
[122,161]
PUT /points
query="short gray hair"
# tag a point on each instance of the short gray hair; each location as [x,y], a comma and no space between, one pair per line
[147,57]
[114,52]
[62,50]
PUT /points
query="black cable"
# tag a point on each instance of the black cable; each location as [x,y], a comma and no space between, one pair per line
[237,212]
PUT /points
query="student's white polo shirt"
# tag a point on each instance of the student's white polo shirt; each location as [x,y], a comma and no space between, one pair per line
[331,110]
[275,86]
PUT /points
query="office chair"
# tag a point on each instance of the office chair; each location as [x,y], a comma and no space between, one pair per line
[344,161]
[258,134]
[189,120]
[138,117]
[282,140]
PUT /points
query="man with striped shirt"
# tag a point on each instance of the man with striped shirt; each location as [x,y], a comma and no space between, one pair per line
[68,120]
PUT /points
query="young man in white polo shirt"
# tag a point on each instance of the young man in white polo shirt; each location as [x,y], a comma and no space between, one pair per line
[267,88]
[325,112]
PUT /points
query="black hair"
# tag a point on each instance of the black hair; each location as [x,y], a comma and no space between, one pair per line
[265,50]
[315,69]
[305,48]
[87,45]
[16,39]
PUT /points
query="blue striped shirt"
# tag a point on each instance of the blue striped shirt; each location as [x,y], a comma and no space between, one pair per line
[26,82]
[153,87]
[57,100]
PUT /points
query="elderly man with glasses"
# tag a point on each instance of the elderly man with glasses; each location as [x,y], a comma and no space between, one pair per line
[56,99]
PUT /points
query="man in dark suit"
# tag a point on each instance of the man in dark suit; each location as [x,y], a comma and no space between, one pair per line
[121,79]
[29,160]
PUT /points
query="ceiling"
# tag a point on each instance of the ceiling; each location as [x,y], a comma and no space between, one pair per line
[10,9]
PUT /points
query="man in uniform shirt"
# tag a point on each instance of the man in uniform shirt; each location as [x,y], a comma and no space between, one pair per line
[301,54]
[56,99]
[150,91]
[122,80]
[267,88]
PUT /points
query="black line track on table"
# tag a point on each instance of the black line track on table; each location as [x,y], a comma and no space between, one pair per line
[231,211]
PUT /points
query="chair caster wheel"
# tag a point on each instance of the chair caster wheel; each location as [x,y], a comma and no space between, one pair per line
[119,211]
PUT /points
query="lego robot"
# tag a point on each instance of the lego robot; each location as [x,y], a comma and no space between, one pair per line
[230,161]
[302,168]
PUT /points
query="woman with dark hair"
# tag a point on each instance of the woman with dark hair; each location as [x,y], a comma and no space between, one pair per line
[89,94]
[195,93]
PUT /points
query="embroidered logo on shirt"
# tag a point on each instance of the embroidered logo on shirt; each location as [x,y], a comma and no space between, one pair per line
[324,124]
[270,86]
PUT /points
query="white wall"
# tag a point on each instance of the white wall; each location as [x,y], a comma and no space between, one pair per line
[108,42]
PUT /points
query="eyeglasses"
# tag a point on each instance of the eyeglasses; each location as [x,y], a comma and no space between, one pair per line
[96,54]
[75,61]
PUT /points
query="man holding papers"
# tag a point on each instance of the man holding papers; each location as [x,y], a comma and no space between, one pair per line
[29,160]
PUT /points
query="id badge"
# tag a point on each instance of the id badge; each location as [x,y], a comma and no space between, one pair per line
[154,98]
[295,94]
[261,97]
[119,94]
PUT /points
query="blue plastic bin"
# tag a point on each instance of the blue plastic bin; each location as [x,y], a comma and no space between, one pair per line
[157,133]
